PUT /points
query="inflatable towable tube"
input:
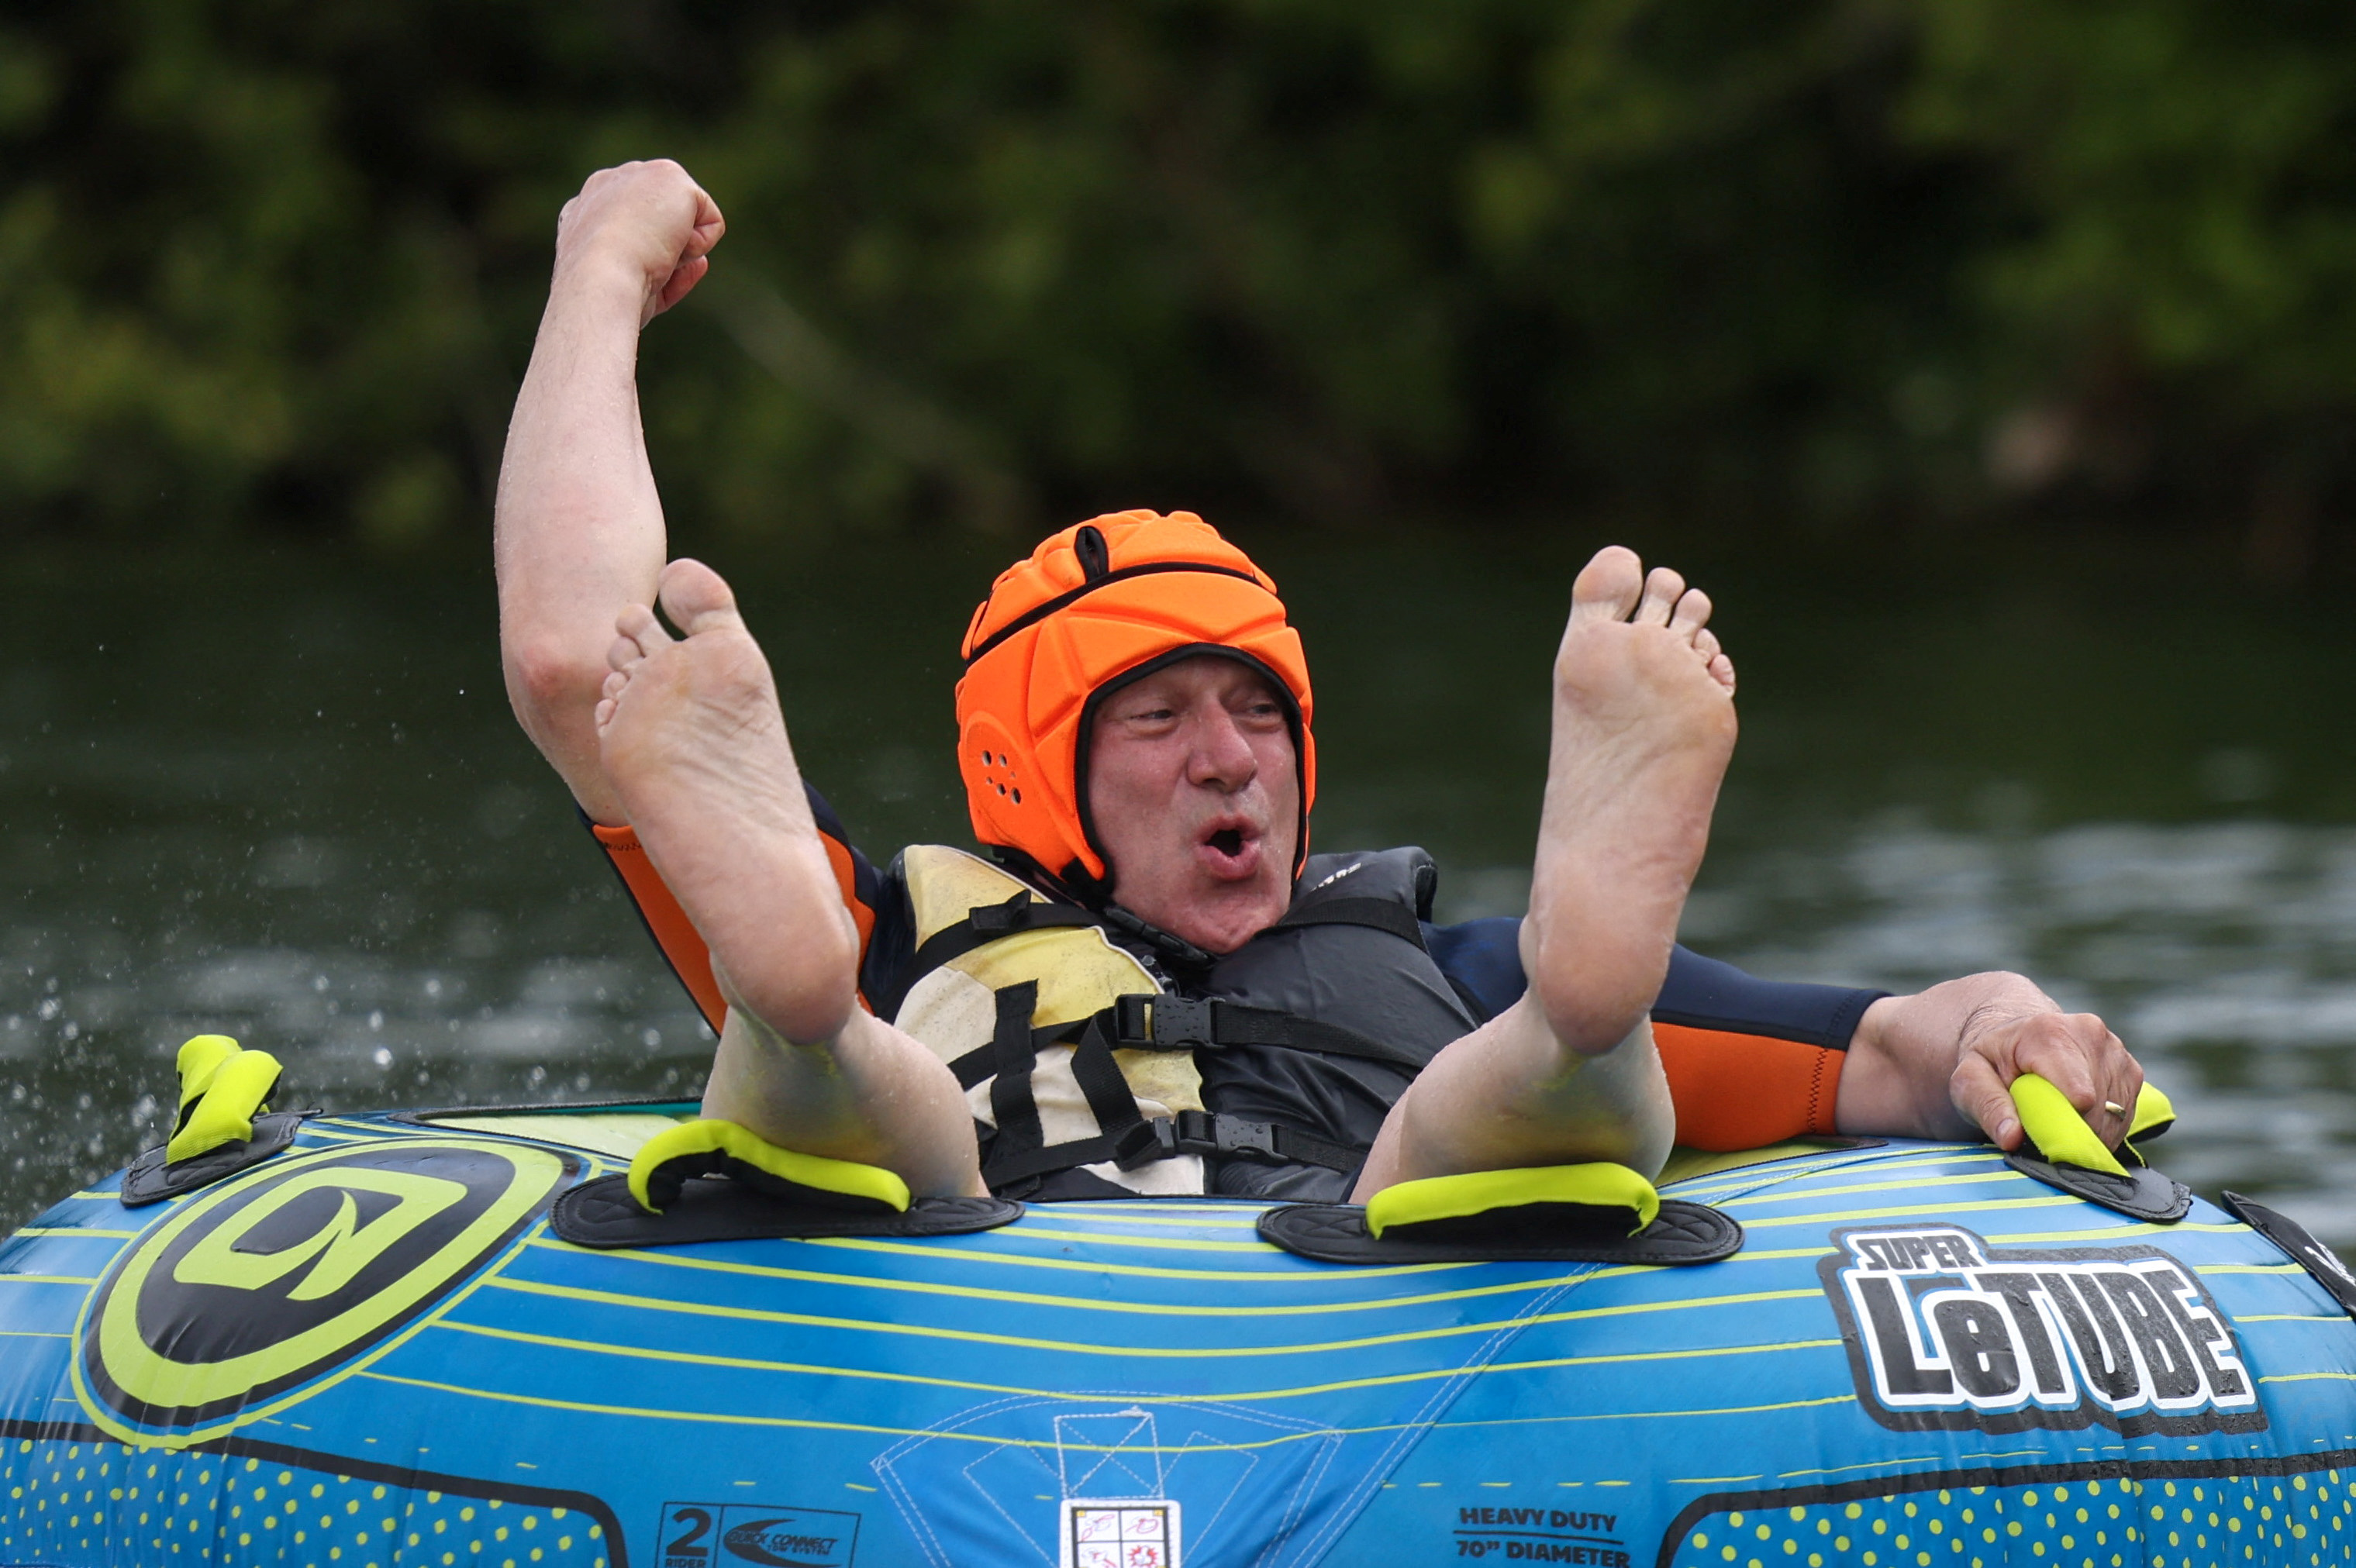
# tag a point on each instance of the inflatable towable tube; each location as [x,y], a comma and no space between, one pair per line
[370,1349]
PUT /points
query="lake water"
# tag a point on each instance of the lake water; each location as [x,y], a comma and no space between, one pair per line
[277,793]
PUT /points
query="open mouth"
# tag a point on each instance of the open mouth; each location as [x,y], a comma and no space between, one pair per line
[1226,841]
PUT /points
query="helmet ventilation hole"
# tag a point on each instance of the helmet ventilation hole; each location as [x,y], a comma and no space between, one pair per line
[1018,798]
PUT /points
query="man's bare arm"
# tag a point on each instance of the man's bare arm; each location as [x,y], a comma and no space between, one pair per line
[1938,1064]
[580,528]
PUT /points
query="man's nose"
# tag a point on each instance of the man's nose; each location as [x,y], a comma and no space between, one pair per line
[1223,757]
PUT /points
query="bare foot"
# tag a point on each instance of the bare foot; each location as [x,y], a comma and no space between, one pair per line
[692,738]
[1644,726]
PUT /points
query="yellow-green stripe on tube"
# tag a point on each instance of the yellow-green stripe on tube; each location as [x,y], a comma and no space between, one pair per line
[233,1092]
[712,1136]
[1601,1185]
[2057,1129]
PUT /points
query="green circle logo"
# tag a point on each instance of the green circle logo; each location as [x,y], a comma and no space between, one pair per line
[268,1281]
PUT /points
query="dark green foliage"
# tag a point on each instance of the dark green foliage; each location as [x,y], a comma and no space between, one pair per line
[1845,258]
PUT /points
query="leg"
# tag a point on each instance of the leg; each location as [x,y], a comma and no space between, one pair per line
[693,743]
[1644,725]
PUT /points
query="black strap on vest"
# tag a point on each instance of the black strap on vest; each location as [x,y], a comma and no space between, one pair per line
[1145,1021]
[1011,1054]
[1157,1021]
[987,924]
[1166,1138]
[1148,1022]
[1381,914]
[1229,1137]
[1018,1148]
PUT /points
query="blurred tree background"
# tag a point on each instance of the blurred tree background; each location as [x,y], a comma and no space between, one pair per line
[1846,266]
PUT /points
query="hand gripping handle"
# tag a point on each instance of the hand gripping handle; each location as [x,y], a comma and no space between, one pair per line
[2061,1134]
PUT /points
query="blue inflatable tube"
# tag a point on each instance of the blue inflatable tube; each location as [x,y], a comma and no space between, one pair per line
[371,1351]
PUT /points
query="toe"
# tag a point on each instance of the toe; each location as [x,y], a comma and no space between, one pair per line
[1662,589]
[1690,616]
[636,634]
[1608,586]
[696,598]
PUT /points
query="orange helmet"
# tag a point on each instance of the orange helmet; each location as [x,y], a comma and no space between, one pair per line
[1094,607]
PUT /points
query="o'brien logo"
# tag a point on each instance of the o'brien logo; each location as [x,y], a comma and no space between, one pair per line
[1944,1330]
[262,1284]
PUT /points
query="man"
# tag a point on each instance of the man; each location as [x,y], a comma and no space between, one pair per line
[1147,795]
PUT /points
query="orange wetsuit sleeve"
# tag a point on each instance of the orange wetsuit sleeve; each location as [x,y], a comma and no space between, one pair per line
[675,936]
[668,923]
[1746,1091]
[1749,1062]
[1752,1061]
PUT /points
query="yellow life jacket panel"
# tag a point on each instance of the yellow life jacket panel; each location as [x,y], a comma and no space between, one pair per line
[955,1009]
[1074,1058]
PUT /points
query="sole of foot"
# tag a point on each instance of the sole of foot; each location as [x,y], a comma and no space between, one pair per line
[1644,728]
[693,739]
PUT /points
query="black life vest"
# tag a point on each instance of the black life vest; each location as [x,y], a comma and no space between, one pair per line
[1092,1072]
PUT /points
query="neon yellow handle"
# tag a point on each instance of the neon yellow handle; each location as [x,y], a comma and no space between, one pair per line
[712,1136]
[2057,1129]
[1601,1185]
[199,1058]
[232,1090]
[2154,1114]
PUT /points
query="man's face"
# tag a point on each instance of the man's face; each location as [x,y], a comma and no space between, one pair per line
[1196,797]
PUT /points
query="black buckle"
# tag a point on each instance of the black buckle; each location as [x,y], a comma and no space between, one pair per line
[1196,1132]
[1162,1022]
[1145,1142]
[1245,1140]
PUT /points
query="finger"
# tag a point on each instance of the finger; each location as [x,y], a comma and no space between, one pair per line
[683,278]
[2127,1083]
[2118,1078]
[1662,589]
[1980,1094]
[709,224]
[2062,1048]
